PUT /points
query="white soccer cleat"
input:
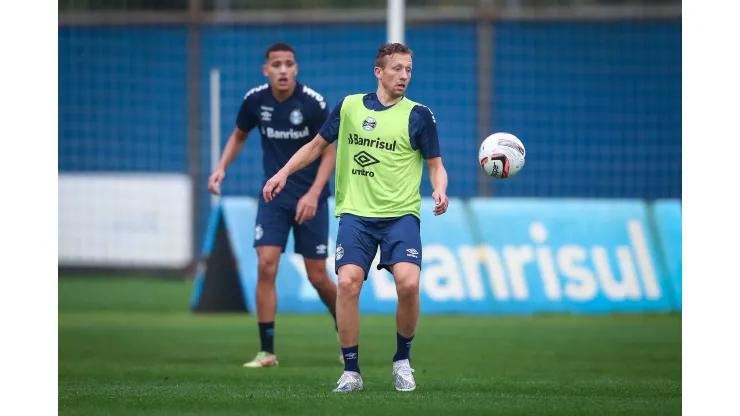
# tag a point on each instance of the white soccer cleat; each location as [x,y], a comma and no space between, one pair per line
[350,381]
[404,376]
[263,359]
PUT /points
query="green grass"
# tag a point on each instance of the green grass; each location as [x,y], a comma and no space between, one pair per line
[130,347]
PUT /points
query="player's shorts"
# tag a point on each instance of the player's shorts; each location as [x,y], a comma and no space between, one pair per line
[358,239]
[276,219]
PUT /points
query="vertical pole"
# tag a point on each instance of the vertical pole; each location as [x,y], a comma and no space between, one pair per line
[193,78]
[215,124]
[484,94]
[396,21]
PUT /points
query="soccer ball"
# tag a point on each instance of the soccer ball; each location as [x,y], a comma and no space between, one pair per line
[502,155]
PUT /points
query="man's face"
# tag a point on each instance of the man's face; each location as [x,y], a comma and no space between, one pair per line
[396,74]
[281,69]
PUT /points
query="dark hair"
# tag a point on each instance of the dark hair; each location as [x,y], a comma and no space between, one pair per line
[389,49]
[278,47]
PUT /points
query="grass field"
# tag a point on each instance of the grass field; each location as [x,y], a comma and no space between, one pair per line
[130,347]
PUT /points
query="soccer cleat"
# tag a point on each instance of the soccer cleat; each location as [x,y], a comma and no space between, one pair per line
[404,376]
[263,359]
[350,381]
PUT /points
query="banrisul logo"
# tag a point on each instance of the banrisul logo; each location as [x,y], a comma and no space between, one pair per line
[543,272]
[289,134]
[376,143]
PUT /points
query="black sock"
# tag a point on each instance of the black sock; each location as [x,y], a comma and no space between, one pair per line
[403,348]
[267,332]
[351,362]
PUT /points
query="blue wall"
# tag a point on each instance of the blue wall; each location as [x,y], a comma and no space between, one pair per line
[122,99]
[598,105]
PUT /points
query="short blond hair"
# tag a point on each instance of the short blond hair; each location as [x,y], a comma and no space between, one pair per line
[389,49]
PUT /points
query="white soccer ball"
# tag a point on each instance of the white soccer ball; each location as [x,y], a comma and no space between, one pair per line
[502,155]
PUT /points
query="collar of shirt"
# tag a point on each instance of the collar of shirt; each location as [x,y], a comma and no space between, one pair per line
[373,103]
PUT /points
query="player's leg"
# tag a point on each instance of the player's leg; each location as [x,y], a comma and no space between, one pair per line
[401,254]
[351,277]
[268,258]
[311,240]
[356,247]
[271,234]
[406,276]
[325,287]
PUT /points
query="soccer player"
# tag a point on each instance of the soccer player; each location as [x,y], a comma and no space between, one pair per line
[382,139]
[288,115]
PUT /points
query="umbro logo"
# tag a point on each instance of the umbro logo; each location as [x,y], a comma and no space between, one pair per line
[411,252]
[365,159]
[321,249]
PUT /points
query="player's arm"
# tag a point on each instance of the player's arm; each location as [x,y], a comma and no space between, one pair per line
[437,174]
[438,177]
[329,155]
[302,158]
[425,138]
[326,167]
[308,153]
[233,146]
[245,121]
[309,203]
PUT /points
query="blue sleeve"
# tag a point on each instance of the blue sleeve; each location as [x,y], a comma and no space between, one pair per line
[423,132]
[247,118]
[330,130]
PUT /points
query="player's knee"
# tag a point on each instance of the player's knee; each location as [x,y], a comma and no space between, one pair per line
[267,268]
[407,277]
[317,274]
[407,287]
[350,285]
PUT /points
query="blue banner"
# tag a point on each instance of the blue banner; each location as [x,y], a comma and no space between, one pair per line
[588,256]
[494,256]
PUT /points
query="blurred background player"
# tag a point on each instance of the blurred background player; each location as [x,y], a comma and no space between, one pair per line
[289,115]
[383,138]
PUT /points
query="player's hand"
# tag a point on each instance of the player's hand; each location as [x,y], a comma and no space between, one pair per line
[214,182]
[306,208]
[274,186]
[440,202]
